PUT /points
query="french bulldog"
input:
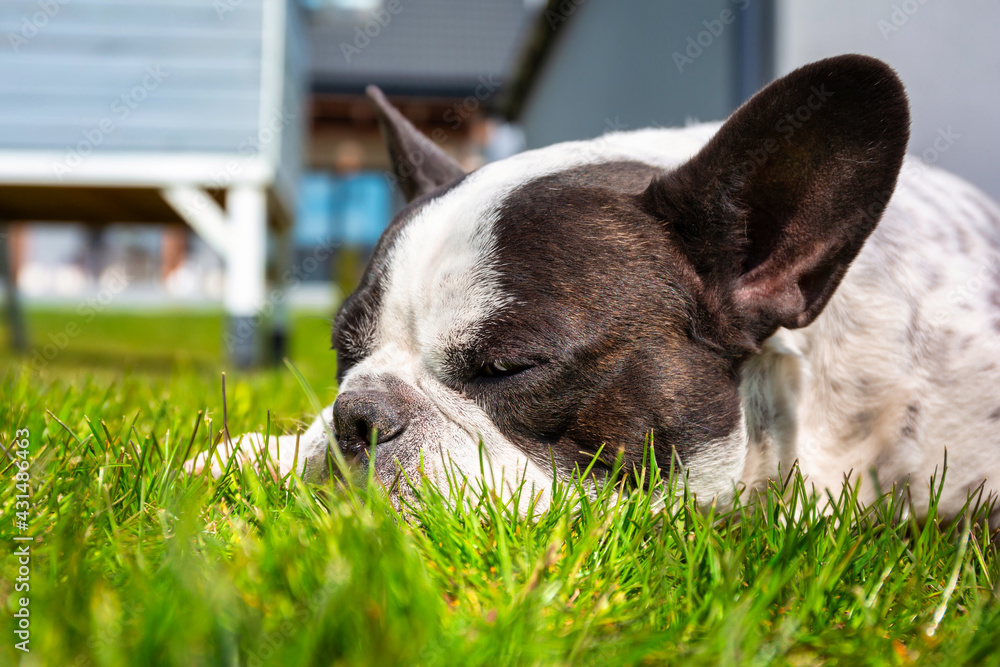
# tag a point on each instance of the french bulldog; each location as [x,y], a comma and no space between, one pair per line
[783,287]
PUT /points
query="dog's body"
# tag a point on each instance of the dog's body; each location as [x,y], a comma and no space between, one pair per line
[903,363]
[681,283]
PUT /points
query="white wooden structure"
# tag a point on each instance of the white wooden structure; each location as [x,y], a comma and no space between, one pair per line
[160,111]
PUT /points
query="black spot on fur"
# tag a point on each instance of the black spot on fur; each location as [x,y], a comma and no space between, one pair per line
[934,279]
[914,326]
[861,424]
[995,299]
[964,243]
[909,430]
[865,385]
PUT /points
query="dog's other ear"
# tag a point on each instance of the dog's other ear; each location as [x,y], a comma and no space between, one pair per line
[419,164]
[772,211]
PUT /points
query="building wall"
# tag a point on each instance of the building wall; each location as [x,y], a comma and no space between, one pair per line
[94,75]
[947,54]
[621,65]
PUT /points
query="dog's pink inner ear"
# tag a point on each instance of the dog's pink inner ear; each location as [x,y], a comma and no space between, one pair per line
[420,165]
[773,210]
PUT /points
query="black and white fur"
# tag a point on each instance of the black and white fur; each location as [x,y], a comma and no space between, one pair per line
[753,293]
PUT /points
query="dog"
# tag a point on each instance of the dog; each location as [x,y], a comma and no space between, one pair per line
[784,287]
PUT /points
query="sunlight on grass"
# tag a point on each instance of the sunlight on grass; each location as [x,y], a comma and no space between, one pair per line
[135,563]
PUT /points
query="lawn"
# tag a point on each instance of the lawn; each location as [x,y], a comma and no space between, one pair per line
[134,563]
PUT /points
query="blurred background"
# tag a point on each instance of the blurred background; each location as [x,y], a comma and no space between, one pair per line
[204,179]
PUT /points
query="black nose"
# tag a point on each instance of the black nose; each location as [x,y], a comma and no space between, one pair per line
[357,414]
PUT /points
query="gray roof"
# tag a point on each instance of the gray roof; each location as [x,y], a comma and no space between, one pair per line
[428,47]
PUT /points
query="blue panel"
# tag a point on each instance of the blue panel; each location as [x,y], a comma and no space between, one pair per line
[350,210]
[314,215]
[361,206]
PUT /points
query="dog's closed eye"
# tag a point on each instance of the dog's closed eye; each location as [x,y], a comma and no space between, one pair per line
[503,368]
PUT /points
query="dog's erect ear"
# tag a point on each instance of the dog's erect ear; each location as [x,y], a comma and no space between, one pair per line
[419,164]
[772,211]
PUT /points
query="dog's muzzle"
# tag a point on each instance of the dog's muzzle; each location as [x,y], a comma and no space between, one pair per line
[360,416]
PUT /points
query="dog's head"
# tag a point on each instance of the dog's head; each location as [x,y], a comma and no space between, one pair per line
[515,320]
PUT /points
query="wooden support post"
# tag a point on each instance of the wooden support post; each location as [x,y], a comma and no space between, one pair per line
[280,323]
[8,271]
[246,258]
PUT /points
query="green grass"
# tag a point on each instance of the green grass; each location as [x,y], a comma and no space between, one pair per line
[134,563]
